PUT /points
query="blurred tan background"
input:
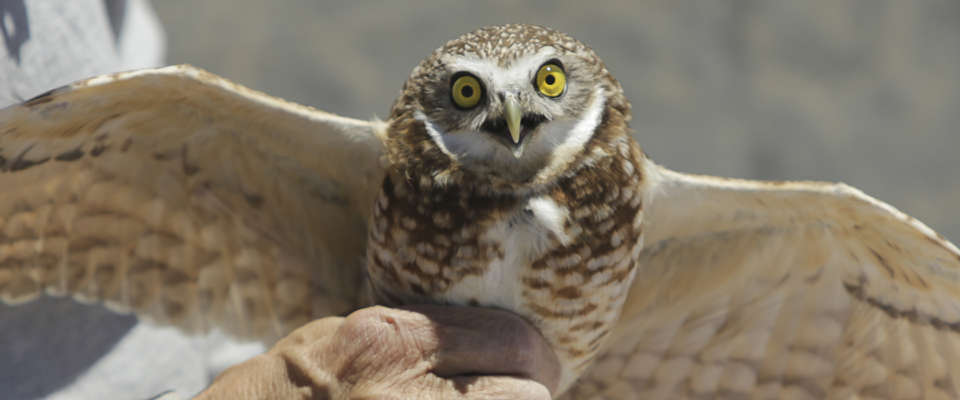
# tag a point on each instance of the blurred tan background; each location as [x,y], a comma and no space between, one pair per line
[866,92]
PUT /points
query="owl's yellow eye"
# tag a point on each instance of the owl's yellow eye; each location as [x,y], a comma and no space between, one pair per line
[551,80]
[466,91]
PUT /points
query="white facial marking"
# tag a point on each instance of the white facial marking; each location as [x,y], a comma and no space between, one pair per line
[434,133]
[517,75]
[576,138]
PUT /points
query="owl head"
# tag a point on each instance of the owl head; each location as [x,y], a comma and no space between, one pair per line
[507,105]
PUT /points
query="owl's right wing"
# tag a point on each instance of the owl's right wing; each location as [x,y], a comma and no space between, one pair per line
[789,290]
[187,199]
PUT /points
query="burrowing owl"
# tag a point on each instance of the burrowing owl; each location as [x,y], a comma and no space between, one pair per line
[504,177]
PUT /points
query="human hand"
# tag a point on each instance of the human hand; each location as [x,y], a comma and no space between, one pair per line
[423,352]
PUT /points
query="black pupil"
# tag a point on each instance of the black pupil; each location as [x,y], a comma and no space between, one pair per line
[550,79]
[467,91]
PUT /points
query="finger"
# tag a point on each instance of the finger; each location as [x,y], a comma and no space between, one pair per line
[280,373]
[322,328]
[380,341]
[262,377]
[432,387]
[495,387]
[484,341]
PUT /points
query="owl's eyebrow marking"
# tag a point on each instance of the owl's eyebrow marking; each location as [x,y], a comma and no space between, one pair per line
[518,70]
[557,62]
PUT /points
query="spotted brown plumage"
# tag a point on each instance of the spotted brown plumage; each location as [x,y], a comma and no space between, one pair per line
[552,224]
[196,202]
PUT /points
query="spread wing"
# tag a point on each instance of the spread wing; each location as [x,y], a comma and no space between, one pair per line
[188,199]
[783,290]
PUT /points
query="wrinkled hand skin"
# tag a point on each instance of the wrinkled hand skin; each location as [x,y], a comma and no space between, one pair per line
[422,352]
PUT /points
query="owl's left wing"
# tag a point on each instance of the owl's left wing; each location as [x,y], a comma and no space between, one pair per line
[782,290]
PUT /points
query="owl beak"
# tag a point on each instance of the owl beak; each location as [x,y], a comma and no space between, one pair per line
[513,122]
[513,114]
